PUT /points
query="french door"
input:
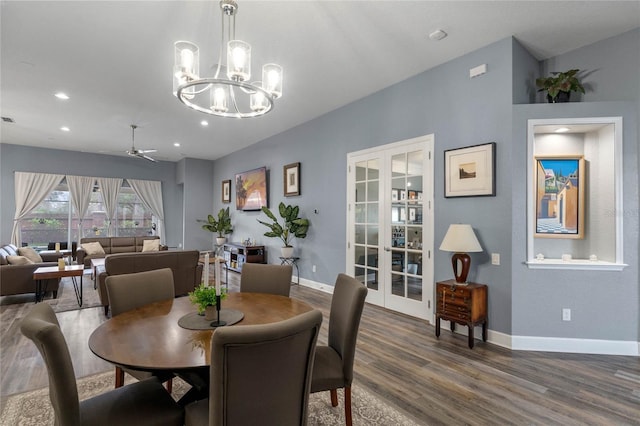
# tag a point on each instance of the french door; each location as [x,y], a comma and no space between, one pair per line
[390,224]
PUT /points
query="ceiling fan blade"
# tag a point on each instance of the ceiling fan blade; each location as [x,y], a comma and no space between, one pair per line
[146,157]
[147,151]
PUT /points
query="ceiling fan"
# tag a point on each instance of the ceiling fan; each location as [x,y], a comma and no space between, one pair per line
[140,153]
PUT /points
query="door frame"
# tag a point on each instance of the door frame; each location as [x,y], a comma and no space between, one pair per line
[423,309]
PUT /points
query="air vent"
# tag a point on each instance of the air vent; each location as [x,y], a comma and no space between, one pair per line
[8,120]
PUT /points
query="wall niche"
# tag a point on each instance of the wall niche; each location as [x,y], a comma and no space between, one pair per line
[574,194]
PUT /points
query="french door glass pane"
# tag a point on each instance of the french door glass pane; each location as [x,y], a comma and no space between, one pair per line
[367,199]
[406,220]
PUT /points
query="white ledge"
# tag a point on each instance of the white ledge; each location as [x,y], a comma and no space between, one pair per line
[577,264]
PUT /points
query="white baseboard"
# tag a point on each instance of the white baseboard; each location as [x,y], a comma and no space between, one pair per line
[570,345]
[316,285]
[529,343]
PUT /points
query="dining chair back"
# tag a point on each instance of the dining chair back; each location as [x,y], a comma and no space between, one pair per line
[260,374]
[142,403]
[130,291]
[333,367]
[264,278]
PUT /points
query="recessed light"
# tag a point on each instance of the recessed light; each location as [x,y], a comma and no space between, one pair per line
[562,129]
[437,35]
[65,129]
[204,123]
[61,95]
[176,144]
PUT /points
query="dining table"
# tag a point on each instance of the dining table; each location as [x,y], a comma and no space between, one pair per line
[150,337]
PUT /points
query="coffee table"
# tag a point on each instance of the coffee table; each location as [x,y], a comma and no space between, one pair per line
[50,272]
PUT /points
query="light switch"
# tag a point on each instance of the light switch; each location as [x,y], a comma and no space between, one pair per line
[495,258]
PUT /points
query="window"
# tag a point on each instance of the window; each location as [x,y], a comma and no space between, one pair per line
[51,220]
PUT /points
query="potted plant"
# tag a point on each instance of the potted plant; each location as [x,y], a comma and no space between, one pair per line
[292,226]
[221,225]
[204,297]
[560,85]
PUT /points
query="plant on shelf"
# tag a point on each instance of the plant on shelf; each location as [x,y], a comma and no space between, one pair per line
[221,224]
[560,85]
[292,226]
[204,295]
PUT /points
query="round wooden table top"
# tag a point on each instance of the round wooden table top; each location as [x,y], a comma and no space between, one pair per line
[149,338]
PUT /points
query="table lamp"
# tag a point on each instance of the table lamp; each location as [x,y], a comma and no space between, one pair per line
[460,239]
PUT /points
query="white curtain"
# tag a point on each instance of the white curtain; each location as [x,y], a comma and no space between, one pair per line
[80,188]
[30,190]
[110,188]
[150,192]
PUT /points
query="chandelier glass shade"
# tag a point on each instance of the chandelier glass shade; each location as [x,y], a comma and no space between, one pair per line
[228,93]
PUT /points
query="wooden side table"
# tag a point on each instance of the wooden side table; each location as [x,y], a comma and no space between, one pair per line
[462,304]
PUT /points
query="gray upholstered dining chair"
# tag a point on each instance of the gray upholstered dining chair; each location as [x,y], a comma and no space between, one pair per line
[263,278]
[333,366]
[260,374]
[142,403]
[131,291]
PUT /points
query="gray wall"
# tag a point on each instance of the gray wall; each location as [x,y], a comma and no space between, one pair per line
[444,101]
[28,159]
[196,178]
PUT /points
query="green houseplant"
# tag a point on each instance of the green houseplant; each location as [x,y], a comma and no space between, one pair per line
[560,85]
[204,296]
[292,226]
[221,224]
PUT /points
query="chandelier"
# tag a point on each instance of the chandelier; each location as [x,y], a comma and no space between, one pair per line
[228,93]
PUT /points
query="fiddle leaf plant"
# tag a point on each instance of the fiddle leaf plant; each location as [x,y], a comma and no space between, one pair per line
[221,224]
[291,226]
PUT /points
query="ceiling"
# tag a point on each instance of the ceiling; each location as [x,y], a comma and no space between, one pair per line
[114,59]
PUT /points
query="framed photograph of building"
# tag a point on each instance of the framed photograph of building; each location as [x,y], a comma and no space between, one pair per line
[470,171]
[559,193]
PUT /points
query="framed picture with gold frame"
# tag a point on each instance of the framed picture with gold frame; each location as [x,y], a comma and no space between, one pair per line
[559,191]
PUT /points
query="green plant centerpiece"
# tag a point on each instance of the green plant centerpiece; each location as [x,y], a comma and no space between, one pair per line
[221,225]
[204,295]
[291,226]
[560,85]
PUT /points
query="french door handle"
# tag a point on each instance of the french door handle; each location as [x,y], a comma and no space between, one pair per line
[387,249]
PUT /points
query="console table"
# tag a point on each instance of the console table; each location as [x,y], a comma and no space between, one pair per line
[462,304]
[237,254]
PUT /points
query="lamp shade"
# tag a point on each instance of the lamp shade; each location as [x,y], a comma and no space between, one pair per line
[460,238]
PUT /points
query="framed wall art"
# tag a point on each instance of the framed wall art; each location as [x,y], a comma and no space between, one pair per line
[226,191]
[252,189]
[559,191]
[291,175]
[470,171]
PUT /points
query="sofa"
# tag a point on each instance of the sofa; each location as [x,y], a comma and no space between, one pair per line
[112,245]
[18,279]
[187,271]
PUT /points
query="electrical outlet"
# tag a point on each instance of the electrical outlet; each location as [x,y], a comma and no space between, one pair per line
[313,268]
[566,314]
[495,258]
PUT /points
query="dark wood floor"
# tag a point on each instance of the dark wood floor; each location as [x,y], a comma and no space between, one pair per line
[398,357]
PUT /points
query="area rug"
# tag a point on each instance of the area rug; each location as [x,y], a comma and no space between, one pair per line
[34,407]
[66,300]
